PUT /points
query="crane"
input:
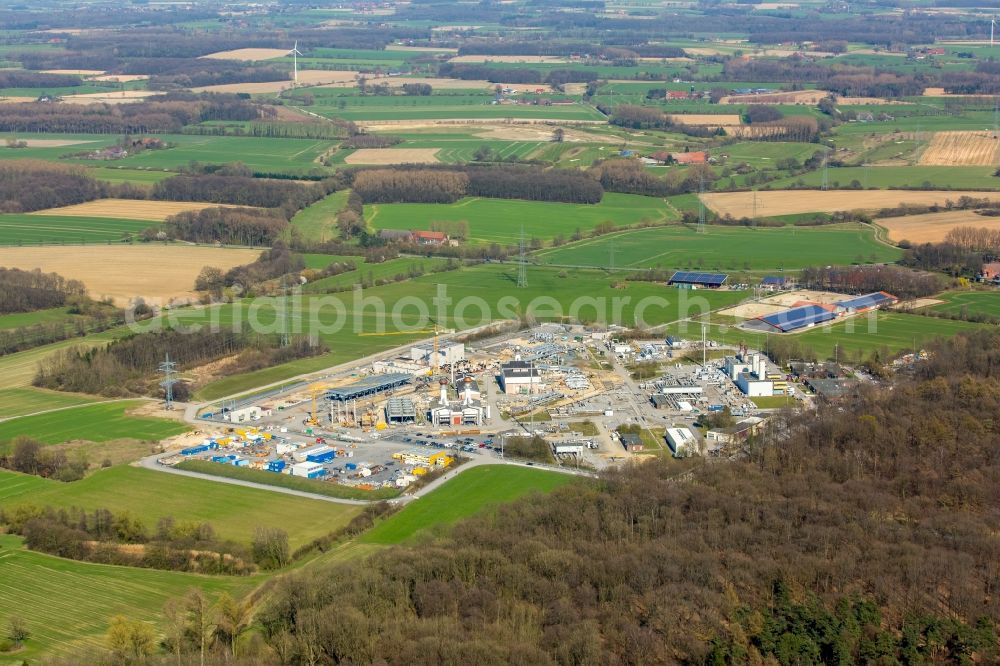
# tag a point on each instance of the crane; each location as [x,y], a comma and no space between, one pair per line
[314,391]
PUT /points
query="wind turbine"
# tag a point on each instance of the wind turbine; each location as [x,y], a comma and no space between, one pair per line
[295,62]
[993,24]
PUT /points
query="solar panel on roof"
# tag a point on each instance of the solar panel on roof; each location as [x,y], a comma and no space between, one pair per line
[790,320]
[699,277]
[866,301]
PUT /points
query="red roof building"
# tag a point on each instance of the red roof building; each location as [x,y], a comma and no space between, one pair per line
[991,271]
[699,157]
[430,237]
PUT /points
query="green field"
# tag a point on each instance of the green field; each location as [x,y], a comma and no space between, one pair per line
[21,401]
[853,338]
[500,220]
[468,493]
[970,302]
[234,511]
[263,155]
[49,229]
[17,370]
[476,110]
[725,248]
[940,177]
[22,319]
[386,270]
[67,605]
[134,176]
[96,423]
[318,222]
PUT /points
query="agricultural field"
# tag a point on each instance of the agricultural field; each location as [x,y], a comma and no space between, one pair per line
[372,273]
[470,492]
[96,423]
[896,176]
[157,273]
[933,227]
[129,209]
[21,319]
[726,248]
[854,338]
[248,54]
[380,156]
[772,203]
[265,155]
[67,605]
[971,303]
[480,109]
[17,370]
[500,220]
[134,176]
[962,149]
[27,229]
[318,222]
[21,401]
[234,511]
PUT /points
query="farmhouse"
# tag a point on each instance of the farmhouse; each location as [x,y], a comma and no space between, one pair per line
[417,237]
[631,441]
[698,157]
[430,238]
[697,279]
[990,271]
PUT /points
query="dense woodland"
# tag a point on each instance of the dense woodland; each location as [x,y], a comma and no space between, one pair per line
[236,226]
[896,280]
[236,186]
[161,114]
[24,291]
[27,185]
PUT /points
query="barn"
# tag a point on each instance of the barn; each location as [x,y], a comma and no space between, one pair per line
[804,316]
[698,279]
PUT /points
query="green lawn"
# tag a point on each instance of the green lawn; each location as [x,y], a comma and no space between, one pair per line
[96,423]
[234,511]
[468,493]
[500,220]
[20,401]
[772,401]
[970,302]
[725,248]
[51,229]
[67,605]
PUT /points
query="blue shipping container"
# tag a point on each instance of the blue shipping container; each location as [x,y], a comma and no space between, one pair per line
[192,450]
[276,465]
[316,474]
[715,408]
[324,457]
[350,466]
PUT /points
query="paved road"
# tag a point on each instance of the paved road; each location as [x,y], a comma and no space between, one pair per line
[150,462]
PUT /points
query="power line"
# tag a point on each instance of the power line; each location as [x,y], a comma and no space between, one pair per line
[522,268]
[168,368]
[701,202]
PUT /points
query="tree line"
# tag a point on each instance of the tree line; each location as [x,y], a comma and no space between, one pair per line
[238,187]
[451,183]
[15,78]
[159,114]
[896,280]
[520,75]
[105,537]
[231,226]
[27,185]
[25,291]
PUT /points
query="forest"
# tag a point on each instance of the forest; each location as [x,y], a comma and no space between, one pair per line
[27,185]
[236,186]
[896,280]
[232,226]
[864,533]
[25,291]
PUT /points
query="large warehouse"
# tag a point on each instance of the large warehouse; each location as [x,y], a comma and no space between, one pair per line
[369,386]
[793,319]
[697,279]
[865,303]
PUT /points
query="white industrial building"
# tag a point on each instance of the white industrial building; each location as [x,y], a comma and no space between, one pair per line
[447,353]
[682,442]
[307,469]
[520,377]
[465,411]
[244,414]
[749,371]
